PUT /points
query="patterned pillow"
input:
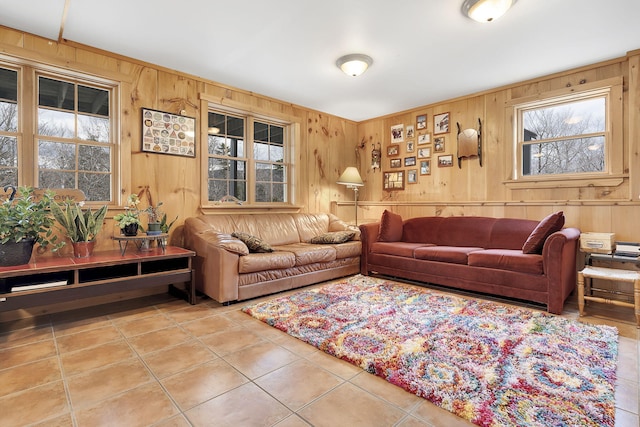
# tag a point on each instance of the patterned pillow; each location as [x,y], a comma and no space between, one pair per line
[255,244]
[333,237]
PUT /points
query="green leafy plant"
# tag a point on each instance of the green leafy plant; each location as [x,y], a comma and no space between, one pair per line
[79,225]
[26,217]
[164,226]
[131,214]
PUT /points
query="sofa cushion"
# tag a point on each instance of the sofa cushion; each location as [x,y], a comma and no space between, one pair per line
[307,253]
[255,244]
[454,254]
[549,225]
[333,237]
[397,248]
[230,243]
[390,227]
[265,261]
[507,259]
[350,249]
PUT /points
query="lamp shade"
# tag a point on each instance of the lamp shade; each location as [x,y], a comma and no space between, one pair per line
[354,64]
[486,10]
[350,177]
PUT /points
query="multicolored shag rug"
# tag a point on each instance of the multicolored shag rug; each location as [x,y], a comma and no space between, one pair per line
[492,364]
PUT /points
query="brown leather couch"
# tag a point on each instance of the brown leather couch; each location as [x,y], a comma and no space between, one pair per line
[478,254]
[226,271]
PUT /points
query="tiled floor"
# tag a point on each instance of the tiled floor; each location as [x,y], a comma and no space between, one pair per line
[159,361]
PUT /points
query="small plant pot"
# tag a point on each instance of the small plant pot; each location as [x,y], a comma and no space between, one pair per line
[130,230]
[153,229]
[12,253]
[83,249]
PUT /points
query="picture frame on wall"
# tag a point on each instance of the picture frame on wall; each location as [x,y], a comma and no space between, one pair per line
[392,181]
[167,133]
[393,150]
[441,123]
[412,176]
[445,161]
[424,138]
[424,152]
[410,161]
[411,146]
[425,167]
[421,122]
[438,144]
[410,132]
[395,163]
[397,134]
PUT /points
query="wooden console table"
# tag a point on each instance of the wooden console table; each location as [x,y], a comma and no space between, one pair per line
[54,279]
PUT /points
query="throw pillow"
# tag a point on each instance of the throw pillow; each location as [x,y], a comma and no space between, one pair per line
[334,237]
[255,244]
[390,227]
[544,229]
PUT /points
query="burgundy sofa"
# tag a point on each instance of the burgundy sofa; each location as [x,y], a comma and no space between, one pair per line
[478,254]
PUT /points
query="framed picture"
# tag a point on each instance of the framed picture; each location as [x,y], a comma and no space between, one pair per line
[441,123]
[424,152]
[393,150]
[397,133]
[411,146]
[425,167]
[421,122]
[412,176]
[445,161]
[395,163]
[438,144]
[393,181]
[410,161]
[424,138]
[410,132]
[166,133]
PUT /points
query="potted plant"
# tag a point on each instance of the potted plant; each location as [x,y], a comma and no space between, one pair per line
[81,227]
[157,219]
[24,221]
[129,220]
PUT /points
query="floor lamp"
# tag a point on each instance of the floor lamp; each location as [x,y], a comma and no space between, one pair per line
[351,178]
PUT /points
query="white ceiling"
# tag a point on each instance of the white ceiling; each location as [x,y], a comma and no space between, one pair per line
[424,51]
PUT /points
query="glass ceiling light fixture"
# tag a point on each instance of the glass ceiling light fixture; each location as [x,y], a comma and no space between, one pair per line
[486,10]
[354,64]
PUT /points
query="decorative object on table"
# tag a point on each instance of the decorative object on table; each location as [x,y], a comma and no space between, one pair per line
[129,220]
[393,181]
[167,133]
[24,221]
[469,143]
[492,364]
[441,123]
[157,218]
[351,178]
[81,227]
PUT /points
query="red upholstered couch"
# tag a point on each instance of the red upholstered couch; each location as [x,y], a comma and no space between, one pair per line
[475,253]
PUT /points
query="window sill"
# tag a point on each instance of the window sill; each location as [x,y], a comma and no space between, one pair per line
[565,182]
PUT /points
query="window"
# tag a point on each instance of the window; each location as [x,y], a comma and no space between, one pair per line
[73,144]
[247,159]
[564,135]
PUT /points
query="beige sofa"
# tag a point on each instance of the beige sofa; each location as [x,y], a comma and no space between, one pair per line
[227,271]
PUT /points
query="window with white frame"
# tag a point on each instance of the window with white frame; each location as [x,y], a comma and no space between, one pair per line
[71,142]
[564,135]
[247,158]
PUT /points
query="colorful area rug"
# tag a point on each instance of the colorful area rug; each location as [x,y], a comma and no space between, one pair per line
[492,364]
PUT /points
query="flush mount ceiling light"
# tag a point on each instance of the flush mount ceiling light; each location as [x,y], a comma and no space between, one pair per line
[354,64]
[486,10]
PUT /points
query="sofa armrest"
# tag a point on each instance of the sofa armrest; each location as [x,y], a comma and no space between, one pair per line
[559,257]
[368,235]
[336,224]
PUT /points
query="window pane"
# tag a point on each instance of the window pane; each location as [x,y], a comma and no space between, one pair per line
[277,134]
[568,156]
[221,146]
[93,158]
[93,101]
[9,176]
[54,179]
[276,153]
[8,117]
[261,151]
[8,151]
[56,123]
[261,131]
[569,119]
[8,85]
[96,186]
[235,126]
[57,155]
[56,94]
[91,128]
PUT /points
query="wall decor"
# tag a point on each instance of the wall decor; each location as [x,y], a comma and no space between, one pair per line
[421,122]
[424,138]
[395,163]
[410,132]
[393,181]
[445,161]
[397,133]
[410,161]
[438,144]
[393,150]
[411,146]
[425,167]
[441,123]
[412,176]
[167,133]
[424,152]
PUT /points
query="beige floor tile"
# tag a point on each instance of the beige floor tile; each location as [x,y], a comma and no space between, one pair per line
[99,384]
[232,340]
[142,406]
[387,391]
[349,405]
[175,359]
[157,340]
[191,313]
[73,326]
[87,339]
[133,313]
[410,421]
[201,383]
[244,406]
[145,325]
[12,338]
[81,361]
[334,365]
[29,375]
[294,345]
[260,359]
[626,419]
[627,395]
[298,383]
[177,421]
[13,356]
[60,421]
[34,405]
[209,325]
[293,421]
[427,411]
